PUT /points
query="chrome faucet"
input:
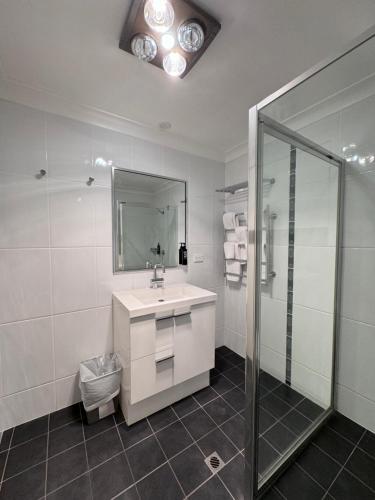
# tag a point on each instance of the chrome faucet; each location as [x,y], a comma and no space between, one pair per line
[157,282]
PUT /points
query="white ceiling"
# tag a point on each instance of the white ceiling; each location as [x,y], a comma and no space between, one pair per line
[70,48]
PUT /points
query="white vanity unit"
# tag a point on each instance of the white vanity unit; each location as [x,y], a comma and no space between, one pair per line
[165,339]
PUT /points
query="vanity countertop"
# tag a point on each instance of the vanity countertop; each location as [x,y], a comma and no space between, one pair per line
[143,301]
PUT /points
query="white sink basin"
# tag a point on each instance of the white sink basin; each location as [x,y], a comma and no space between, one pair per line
[141,301]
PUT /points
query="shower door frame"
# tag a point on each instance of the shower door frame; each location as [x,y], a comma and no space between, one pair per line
[253,286]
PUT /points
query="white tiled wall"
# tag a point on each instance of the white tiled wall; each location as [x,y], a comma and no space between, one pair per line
[56,275]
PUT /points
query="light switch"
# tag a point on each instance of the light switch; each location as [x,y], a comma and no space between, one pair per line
[198,257]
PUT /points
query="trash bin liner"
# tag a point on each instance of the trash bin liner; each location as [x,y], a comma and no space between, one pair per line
[99,380]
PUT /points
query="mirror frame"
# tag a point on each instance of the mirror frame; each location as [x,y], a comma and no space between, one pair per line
[114,215]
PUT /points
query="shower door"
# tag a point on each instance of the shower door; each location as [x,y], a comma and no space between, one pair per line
[297,260]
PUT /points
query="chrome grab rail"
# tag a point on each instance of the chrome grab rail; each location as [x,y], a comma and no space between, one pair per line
[267,264]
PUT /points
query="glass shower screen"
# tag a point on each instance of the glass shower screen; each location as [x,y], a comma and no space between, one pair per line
[298,217]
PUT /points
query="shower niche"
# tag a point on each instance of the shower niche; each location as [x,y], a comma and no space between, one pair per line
[148,220]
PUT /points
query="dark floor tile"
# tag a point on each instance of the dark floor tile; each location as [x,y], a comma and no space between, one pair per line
[333,444]
[185,406]
[363,466]
[198,423]
[296,422]
[233,476]
[5,440]
[347,487]
[235,375]
[280,437]
[174,439]
[234,429]
[318,465]
[65,437]
[346,427]
[222,364]
[295,484]
[217,442]
[28,485]
[65,467]
[24,456]
[367,443]
[144,457]
[102,447]
[272,495]
[214,373]
[119,416]
[274,405]
[311,410]
[79,489]
[288,394]
[131,435]
[3,457]
[221,384]
[219,410]
[190,468]
[235,359]
[205,395]
[160,485]
[64,416]
[129,494]
[268,381]
[213,489]
[91,430]
[162,418]
[235,398]
[223,351]
[30,430]
[263,391]
[266,420]
[110,478]
[267,456]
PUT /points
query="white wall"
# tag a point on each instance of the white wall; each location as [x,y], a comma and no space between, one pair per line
[56,249]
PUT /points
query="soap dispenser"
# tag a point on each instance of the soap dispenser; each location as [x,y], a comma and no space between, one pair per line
[182,254]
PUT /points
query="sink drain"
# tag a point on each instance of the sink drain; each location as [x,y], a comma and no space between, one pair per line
[214,462]
[161,300]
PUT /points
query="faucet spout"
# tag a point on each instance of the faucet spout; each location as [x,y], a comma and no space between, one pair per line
[156,281]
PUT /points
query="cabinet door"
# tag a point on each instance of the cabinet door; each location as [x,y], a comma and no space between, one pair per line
[149,376]
[194,342]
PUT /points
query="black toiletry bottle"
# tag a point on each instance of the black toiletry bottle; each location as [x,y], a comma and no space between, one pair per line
[182,254]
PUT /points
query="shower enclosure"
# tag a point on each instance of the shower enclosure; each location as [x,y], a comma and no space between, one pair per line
[299,155]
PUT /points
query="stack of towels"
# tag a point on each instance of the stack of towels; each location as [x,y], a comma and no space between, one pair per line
[235,248]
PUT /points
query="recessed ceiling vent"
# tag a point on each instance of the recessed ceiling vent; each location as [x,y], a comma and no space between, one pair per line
[170,34]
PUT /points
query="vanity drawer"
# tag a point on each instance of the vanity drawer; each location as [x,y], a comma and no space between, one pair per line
[149,376]
[150,334]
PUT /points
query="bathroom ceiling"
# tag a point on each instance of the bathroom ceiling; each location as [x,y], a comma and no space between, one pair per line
[70,48]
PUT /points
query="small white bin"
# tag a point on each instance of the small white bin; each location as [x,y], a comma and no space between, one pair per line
[99,380]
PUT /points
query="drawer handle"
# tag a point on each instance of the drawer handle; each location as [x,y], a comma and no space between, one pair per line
[182,314]
[164,359]
[164,317]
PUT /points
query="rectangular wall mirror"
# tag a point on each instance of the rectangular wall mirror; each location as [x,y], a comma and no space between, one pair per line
[148,220]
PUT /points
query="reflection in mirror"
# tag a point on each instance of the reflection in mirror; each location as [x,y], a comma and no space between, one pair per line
[149,220]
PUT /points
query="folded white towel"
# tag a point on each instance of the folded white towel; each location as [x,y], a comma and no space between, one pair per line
[240,251]
[230,220]
[233,269]
[241,233]
[229,250]
[231,236]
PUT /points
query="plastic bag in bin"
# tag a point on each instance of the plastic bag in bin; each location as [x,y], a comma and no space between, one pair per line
[99,380]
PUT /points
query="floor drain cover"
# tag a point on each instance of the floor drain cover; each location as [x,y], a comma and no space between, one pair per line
[214,462]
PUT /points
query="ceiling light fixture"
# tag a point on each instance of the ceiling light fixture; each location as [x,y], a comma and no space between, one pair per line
[174,64]
[159,15]
[144,47]
[170,34]
[168,41]
[190,36]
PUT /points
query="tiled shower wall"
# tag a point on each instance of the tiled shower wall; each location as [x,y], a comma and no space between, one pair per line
[56,249]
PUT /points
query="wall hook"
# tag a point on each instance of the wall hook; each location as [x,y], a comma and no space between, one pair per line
[90,181]
[41,173]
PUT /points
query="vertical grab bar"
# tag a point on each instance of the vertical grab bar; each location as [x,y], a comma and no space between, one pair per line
[268,222]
